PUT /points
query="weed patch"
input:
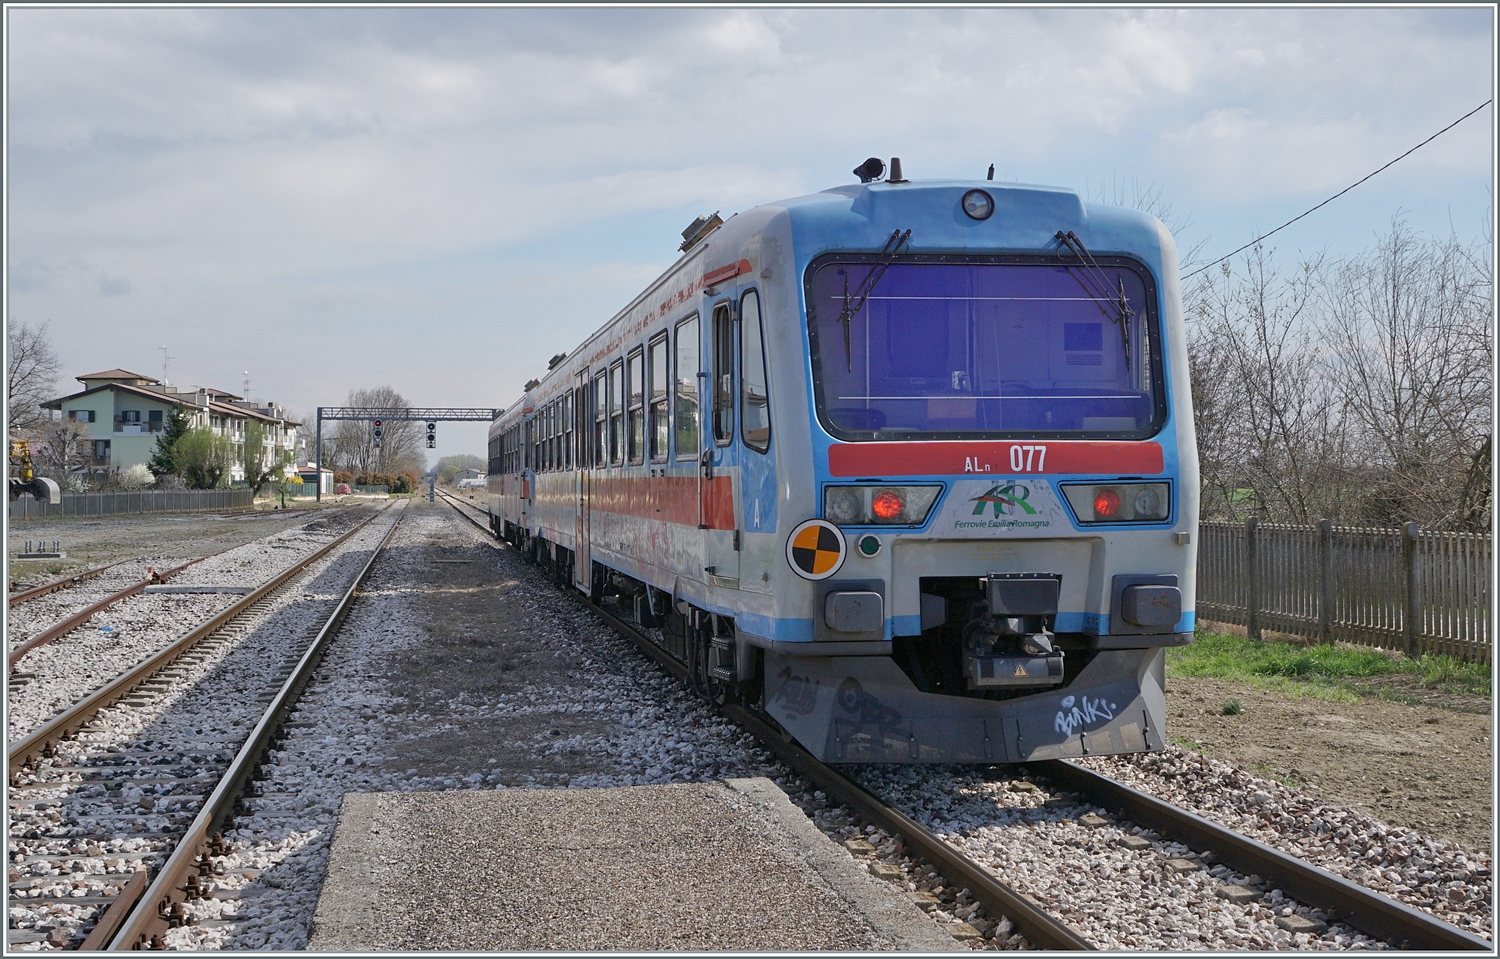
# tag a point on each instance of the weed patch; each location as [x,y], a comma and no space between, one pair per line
[1284,666]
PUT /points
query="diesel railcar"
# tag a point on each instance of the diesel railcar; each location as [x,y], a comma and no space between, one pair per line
[909,465]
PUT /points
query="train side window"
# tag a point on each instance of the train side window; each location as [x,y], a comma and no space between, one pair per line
[635,403]
[544,423]
[687,389]
[656,419]
[554,426]
[755,399]
[568,430]
[617,413]
[601,419]
[723,389]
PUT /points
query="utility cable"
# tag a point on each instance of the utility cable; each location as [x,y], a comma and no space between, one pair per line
[1344,190]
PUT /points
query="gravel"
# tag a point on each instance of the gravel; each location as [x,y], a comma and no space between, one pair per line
[1428,873]
[476,675]
[147,766]
[69,668]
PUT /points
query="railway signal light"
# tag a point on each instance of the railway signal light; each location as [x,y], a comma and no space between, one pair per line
[379,432]
[432,435]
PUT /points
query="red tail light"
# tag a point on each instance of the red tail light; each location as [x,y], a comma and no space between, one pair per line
[1106,503]
[886,504]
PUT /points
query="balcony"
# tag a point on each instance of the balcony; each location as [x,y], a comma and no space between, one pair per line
[138,428]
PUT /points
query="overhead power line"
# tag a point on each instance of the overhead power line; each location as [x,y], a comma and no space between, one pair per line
[1344,190]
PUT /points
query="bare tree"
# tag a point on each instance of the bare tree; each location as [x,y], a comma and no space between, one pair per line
[31,371]
[1408,327]
[353,444]
[62,446]
[1270,433]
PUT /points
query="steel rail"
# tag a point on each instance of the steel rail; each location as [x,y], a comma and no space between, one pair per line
[71,579]
[79,714]
[170,884]
[58,631]
[1342,900]
[1030,918]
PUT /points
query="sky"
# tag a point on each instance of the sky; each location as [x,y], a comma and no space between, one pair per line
[440,200]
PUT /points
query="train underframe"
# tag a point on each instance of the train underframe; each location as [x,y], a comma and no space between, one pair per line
[923,700]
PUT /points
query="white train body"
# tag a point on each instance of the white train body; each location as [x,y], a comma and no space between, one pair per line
[949,516]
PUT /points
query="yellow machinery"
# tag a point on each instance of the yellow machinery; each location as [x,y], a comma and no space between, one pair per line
[23,478]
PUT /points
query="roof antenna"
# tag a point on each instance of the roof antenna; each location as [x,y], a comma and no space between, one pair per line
[895,176]
[991,174]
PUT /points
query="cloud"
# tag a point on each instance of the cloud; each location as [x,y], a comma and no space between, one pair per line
[287,166]
[113,286]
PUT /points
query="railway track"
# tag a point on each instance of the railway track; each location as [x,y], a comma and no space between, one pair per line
[68,624]
[1343,901]
[64,659]
[63,582]
[117,803]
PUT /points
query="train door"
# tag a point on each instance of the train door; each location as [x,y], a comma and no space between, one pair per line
[582,422]
[719,461]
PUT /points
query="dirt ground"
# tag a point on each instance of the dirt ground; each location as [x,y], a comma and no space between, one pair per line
[1426,766]
[480,628]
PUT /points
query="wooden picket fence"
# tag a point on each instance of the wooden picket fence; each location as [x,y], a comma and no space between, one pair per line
[1414,590]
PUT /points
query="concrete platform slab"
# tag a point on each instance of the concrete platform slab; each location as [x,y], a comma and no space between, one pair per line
[696,866]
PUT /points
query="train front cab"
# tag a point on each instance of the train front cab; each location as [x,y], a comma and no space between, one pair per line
[1005,465]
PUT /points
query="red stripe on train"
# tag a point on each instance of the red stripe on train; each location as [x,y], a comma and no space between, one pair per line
[1009,458]
[670,498]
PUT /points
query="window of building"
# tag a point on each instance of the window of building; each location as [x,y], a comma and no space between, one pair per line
[81,416]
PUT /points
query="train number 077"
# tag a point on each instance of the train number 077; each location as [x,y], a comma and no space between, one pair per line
[1028,459]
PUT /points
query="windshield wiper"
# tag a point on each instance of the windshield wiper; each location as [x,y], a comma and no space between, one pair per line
[886,257]
[1095,283]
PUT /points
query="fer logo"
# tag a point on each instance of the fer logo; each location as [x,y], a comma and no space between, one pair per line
[1008,500]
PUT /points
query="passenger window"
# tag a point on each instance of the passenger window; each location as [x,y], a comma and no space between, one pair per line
[635,404]
[568,434]
[687,389]
[616,414]
[656,419]
[723,388]
[755,406]
[601,419]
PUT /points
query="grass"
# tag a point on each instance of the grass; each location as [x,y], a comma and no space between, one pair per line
[1231,707]
[1316,669]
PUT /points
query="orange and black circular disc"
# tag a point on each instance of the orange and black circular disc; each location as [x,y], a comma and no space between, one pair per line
[816,549]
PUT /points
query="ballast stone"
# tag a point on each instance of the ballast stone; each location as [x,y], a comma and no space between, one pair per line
[628,868]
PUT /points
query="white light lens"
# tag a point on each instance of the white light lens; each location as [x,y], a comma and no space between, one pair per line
[978,204]
[843,505]
[1147,503]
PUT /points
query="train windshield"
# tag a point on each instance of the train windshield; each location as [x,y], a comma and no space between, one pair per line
[913,348]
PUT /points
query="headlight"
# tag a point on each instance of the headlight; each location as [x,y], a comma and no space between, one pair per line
[1119,502]
[879,505]
[978,205]
[842,506]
